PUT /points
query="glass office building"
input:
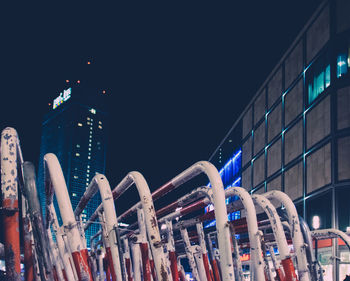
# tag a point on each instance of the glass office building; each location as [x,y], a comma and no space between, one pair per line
[295,132]
[76,133]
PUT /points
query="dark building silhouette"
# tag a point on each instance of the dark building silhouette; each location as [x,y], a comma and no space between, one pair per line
[75,130]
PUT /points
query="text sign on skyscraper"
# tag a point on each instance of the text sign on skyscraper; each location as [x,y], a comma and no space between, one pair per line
[64,96]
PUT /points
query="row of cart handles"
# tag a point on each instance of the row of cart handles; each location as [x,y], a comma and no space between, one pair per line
[144,250]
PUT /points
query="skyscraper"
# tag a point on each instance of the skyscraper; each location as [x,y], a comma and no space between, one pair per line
[75,131]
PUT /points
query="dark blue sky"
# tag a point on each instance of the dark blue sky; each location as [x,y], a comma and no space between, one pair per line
[177,74]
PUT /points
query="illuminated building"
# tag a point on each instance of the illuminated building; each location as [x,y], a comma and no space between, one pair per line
[295,132]
[75,131]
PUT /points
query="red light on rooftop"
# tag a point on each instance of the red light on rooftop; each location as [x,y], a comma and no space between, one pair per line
[89,62]
[104,91]
[49,104]
[78,81]
[67,81]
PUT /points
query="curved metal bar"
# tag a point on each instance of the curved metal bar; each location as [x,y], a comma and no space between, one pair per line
[150,218]
[55,183]
[190,254]
[297,237]
[280,237]
[40,235]
[257,262]
[9,188]
[329,232]
[100,182]
[62,249]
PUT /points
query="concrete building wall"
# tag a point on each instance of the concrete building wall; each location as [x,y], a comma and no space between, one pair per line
[293,181]
[259,138]
[275,184]
[274,122]
[258,170]
[318,167]
[274,88]
[343,108]
[317,35]
[293,142]
[293,101]
[246,178]
[343,8]
[247,151]
[344,158]
[247,123]
[293,65]
[259,107]
[318,123]
[274,158]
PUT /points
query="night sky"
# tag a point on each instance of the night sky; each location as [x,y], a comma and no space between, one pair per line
[177,75]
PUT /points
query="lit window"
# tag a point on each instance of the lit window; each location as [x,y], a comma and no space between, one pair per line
[88,166]
[93,111]
[89,148]
[77,154]
[75,177]
[318,77]
[74,195]
[89,144]
[342,64]
[99,126]
[88,170]
[80,125]
[90,128]
[88,123]
[99,122]
[89,157]
[78,145]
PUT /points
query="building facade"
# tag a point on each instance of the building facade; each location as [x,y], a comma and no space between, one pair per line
[295,133]
[76,133]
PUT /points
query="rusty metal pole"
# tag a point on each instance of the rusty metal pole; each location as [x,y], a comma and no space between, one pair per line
[55,183]
[201,237]
[280,237]
[9,187]
[172,252]
[150,218]
[128,268]
[28,251]
[39,233]
[297,236]
[101,184]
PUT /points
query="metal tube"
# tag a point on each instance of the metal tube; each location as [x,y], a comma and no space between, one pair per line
[279,235]
[189,254]
[127,259]
[39,233]
[64,253]
[150,218]
[296,234]
[146,266]
[55,183]
[100,182]
[257,262]
[171,250]
[9,188]
[203,246]
[28,254]
[136,261]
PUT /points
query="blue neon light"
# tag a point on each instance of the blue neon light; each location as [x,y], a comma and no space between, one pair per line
[230,177]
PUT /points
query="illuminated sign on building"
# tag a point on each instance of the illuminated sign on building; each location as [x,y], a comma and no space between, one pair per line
[64,96]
